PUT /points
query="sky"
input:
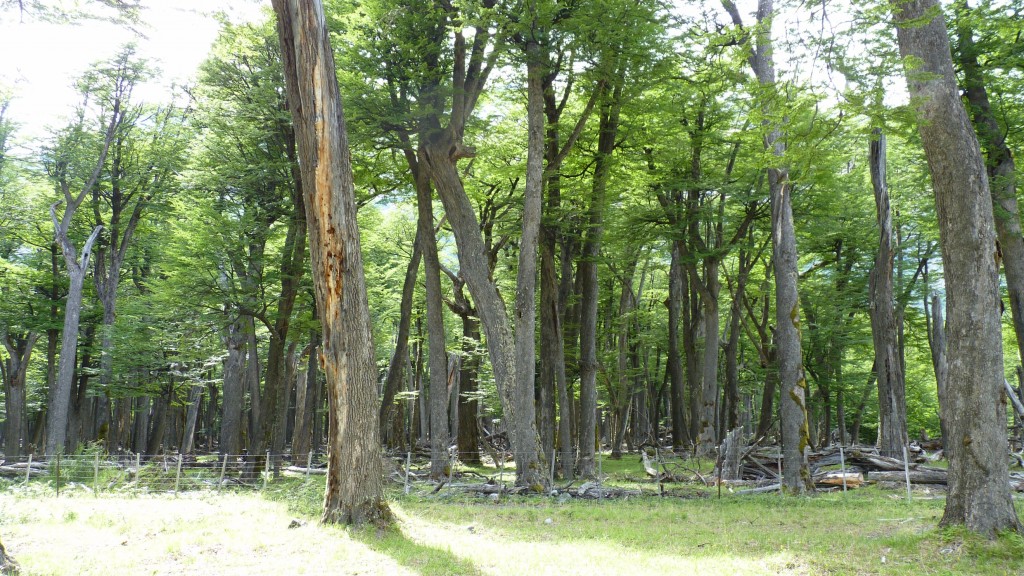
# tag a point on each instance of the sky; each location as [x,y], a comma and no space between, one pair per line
[39,61]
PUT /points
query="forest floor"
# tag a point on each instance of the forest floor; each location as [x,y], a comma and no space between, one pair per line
[691,531]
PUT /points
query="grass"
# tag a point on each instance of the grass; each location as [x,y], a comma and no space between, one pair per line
[868,531]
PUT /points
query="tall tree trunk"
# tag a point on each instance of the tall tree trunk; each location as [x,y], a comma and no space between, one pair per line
[437,357]
[707,437]
[674,364]
[732,347]
[691,333]
[892,406]
[274,403]
[354,493]
[1001,177]
[587,270]
[252,383]
[19,354]
[58,414]
[140,431]
[161,408]
[468,445]
[234,393]
[526,276]
[389,408]
[793,405]
[975,406]
[305,400]
[500,341]
[937,339]
[188,437]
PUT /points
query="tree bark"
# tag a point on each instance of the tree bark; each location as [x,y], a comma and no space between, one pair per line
[354,493]
[892,404]
[974,409]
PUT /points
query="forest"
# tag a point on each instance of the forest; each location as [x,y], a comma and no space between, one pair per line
[563,230]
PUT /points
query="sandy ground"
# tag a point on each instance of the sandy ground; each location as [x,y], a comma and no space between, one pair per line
[208,534]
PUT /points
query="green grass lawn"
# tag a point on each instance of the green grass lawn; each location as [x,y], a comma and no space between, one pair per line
[691,530]
[865,531]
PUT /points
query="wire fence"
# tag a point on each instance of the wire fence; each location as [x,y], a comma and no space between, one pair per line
[95,471]
[98,472]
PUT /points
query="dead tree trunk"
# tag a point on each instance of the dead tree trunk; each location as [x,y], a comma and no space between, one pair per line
[892,404]
[354,493]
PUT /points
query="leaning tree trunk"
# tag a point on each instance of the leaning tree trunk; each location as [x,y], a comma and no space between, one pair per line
[974,407]
[354,493]
[892,403]
[1002,179]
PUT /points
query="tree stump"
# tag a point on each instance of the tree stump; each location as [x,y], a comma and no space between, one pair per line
[732,452]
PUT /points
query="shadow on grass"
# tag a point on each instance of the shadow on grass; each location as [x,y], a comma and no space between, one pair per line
[426,560]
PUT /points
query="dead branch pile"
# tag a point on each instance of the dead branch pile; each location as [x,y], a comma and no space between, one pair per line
[20,469]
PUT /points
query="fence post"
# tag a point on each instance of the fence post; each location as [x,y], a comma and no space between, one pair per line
[600,481]
[501,475]
[223,469]
[906,471]
[138,464]
[309,463]
[782,490]
[842,467]
[96,475]
[58,474]
[28,470]
[408,466]
[552,467]
[266,470]
[177,475]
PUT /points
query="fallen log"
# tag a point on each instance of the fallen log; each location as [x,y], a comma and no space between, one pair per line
[916,476]
[301,470]
[761,490]
[852,479]
[14,471]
